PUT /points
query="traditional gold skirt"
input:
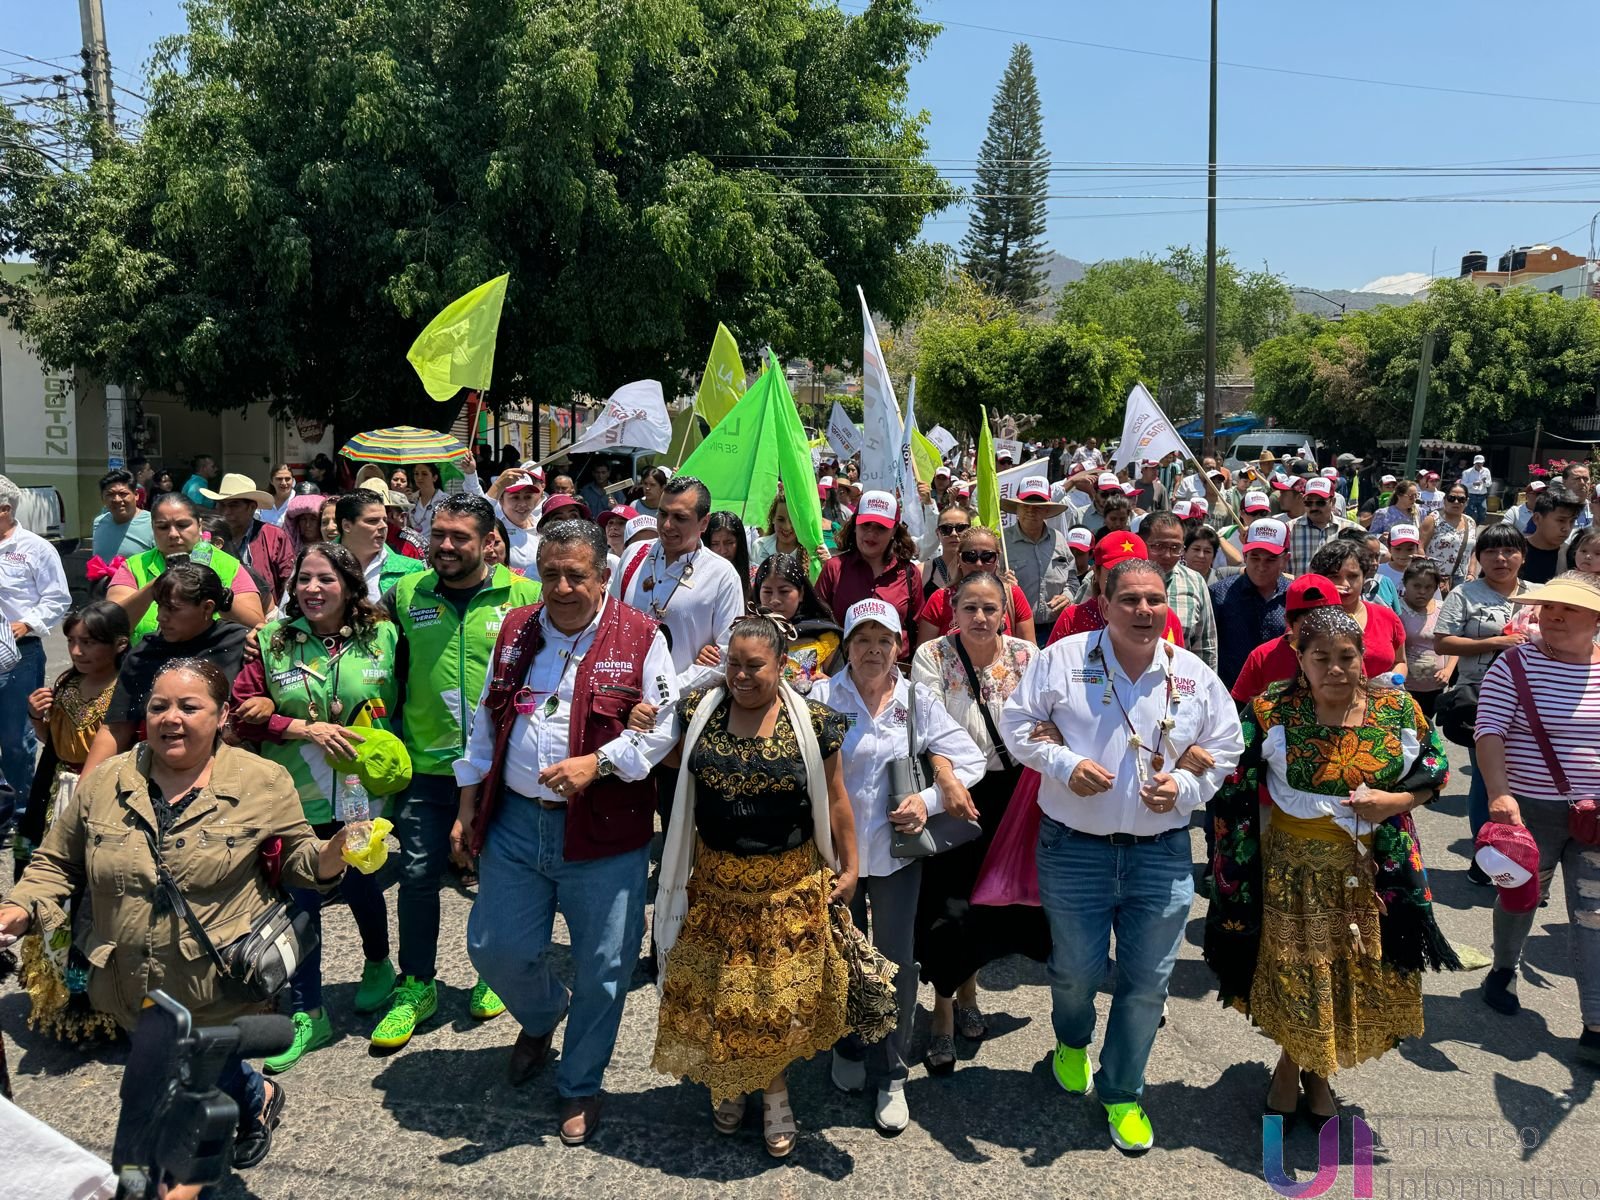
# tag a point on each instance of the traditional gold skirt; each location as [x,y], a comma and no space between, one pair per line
[1324,995]
[754,981]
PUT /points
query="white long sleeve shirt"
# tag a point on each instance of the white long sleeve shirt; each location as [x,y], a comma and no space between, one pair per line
[872,741]
[697,598]
[33,585]
[1076,685]
[539,741]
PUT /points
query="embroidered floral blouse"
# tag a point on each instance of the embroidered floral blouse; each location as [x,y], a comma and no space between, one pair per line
[937,667]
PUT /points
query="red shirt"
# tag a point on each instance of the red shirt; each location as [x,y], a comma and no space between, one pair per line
[941,614]
[1087,617]
[846,578]
[1275,661]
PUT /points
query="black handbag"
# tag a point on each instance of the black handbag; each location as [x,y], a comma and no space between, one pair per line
[1457,713]
[257,965]
[907,776]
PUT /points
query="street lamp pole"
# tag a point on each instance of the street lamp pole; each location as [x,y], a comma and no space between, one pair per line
[1210,408]
[1320,296]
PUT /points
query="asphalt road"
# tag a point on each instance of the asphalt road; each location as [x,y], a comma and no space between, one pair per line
[1482,1106]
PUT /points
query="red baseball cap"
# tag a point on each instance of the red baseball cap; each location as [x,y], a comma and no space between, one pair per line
[625,512]
[557,506]
[1117,548]
[1311,591]
[1508,855]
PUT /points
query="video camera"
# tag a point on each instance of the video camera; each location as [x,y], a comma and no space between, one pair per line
[176,1126]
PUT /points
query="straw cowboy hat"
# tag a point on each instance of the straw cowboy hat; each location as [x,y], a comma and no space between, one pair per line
[238,487]
[1034,495]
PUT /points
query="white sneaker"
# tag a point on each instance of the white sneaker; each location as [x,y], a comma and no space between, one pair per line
[891,1114]
[848,1076]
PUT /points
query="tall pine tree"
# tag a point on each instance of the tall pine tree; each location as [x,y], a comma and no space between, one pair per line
[1003,246]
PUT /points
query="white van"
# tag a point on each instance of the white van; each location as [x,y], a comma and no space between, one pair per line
[1282,443]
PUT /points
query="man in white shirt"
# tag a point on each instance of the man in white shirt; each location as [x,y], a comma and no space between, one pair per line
[1114,846]
[548,751]
[1477,480]
[33,599]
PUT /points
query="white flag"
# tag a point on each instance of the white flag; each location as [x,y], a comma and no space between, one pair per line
[1146,432]
[635,417]
[881,428]
[942,438]
[906,487]
[844,435]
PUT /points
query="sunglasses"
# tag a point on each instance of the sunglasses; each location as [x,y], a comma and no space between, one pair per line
[1455,499]
[1316,502]
[979,556]
[952,530]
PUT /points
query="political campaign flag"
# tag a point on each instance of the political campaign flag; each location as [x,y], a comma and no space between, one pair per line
[456,349]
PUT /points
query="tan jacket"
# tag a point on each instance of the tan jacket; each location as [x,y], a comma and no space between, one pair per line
[212,852]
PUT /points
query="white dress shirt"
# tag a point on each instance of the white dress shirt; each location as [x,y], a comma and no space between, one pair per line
[1477,480]
[697,598]
[538,741]
[1067,685]
[872,741]
[33,586]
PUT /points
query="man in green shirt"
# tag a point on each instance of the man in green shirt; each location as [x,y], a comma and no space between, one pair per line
[448,618]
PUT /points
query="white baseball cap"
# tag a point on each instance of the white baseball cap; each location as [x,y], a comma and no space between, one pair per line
[1538,485]
[941,469]
[1477,460]
[1387,479]
[825,484]
[639,524]
[1330,472]
[1319,487]
[877,508]
[1109,482]
[1269,535]
[872,609]
[1130,489]
[1200,506]
[1080,538]
[1404,535]
[1183,510]
[1034,487]
[1257,502]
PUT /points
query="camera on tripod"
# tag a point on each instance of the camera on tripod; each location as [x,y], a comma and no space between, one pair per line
[176,1125]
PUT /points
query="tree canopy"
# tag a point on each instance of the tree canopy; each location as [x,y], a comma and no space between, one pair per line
[317,178]
[1501,363]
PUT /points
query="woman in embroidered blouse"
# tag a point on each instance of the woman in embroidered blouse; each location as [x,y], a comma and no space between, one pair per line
[1320,926]
[954,937]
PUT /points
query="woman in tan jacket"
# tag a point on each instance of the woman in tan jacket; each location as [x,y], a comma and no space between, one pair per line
[212,809]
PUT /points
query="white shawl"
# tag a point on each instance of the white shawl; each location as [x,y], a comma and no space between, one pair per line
[677,856]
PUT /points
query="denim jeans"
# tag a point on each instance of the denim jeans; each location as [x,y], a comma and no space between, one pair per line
[365,898]
[522,880]
[1092,890]
[243,1084]
[18,745]
[1478,508]
[1477,794]
[422,823]
[894,923]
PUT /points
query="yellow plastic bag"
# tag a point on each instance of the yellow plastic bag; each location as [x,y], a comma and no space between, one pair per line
[375,853]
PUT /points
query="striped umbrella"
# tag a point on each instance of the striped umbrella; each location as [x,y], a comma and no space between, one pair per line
[403,444]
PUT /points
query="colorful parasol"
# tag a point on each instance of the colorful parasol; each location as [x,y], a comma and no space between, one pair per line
[403,444]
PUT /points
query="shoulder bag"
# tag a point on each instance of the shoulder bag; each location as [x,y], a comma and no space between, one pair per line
[910,775]
[1583,815]
[977,698]
[255,966]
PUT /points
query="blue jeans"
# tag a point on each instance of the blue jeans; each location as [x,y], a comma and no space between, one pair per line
[1091,890]
[243,1084]
[365,898]
[1477,795]
[1478,508]
[522,881]
[18,745]
[422,823]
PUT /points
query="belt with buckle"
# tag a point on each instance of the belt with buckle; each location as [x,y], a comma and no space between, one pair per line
[1122,839]
[542,803]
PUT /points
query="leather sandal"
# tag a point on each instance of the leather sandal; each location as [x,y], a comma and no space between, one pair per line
[970,1023]
[728,1115]
[777,1124]
[941,1056]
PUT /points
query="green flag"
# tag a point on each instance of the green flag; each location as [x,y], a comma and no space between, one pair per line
[456,350]
[686,436]
[988,477]
[925,457]
[723,381]
[794,468]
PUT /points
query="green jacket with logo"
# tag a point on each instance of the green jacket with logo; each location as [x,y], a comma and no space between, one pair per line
[397,566]
[300,674]
[449,660]
[151,564]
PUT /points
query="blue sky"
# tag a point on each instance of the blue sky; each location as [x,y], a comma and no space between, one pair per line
[1107,107]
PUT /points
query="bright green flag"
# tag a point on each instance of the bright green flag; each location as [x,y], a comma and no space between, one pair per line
[925,457]
[456,350]
[794,468]
[723,381]
[988,476]
[686,436]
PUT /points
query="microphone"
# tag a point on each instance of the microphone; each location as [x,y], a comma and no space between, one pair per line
[263,1035]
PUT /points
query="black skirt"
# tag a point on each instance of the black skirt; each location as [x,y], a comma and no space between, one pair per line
[954,937]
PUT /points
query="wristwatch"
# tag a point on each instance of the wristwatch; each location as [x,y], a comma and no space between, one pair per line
[603,766]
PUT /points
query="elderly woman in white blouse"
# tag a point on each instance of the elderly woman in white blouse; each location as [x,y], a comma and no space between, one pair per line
[971,673]
[877,702]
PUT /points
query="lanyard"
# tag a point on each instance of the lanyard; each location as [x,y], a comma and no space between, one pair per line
[526,699]
[1136,742]
[308,673]
[660,610]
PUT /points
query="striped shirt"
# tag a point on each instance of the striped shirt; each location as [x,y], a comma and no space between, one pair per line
[1189,597]
[1305,539]
[1568,699]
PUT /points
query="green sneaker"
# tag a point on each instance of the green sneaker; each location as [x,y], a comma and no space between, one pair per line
[1130,1128]
[377,981]
[485,1004]
[412,1002]
[310,1033]
[1072,1069]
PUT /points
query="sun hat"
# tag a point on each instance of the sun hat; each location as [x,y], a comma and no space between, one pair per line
[643,523]
[391,499]
[382,762]
[1117,548]
[1108,482]
[1311,591]
[1574,588]
[241,487]
[1269,535]
[1509,856]
[872,609]
[1033,493]
[1404,535]
[877,508]
[1257,502]
[1080,538]
[1267,456]
[1319,487]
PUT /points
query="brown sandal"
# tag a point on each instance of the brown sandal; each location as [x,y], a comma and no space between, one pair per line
[777,1124]
[728,1115]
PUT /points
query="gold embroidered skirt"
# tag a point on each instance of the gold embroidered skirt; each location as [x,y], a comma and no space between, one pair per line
[754,982]
[1320,993]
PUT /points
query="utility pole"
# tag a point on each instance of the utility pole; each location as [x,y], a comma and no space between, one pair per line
[1210,419]
[97,63]
[1419,405]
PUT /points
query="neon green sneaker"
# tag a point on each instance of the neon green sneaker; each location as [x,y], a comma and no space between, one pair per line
[310,1033]
[1130,1128]
[485,1004]
[1072,1068]
[377,981]
[412,1002]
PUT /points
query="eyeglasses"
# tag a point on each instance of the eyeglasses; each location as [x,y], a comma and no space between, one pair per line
[979,556]
[952,530]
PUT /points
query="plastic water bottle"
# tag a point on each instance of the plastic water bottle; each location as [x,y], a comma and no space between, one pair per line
[1396,680]
[201,554]
[354,808]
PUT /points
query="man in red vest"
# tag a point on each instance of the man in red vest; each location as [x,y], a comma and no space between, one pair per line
[557,804]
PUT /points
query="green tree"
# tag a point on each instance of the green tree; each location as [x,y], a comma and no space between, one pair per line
[1004,245]
[1160,304]
[316,178]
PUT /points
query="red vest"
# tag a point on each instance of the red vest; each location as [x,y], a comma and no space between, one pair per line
[610,816]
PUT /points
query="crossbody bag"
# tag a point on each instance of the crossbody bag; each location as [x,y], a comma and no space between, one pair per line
[1583,815]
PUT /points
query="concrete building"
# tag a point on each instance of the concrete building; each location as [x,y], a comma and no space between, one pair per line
[1536,268]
